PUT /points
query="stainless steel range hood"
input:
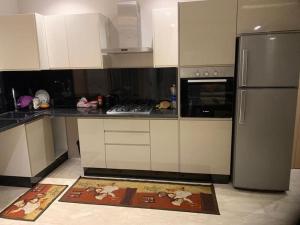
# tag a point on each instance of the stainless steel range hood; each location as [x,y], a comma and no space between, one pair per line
[125,34]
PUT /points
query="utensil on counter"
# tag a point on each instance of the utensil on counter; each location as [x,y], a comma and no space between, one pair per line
[43,95]
[36,103]
[84,103]
[24,101]
[164,105]
[110,100]
[44,105]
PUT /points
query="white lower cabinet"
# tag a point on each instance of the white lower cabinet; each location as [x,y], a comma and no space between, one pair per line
[137,138]
[91,138]
[59,136]
[126,125]
[14,158]
[134,157]
[127,144]
[134,144]
[205,146]
[40,144]
[187,146]
[27,149]
[164,145]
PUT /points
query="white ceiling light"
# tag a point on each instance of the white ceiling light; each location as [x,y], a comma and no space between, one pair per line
[257,27]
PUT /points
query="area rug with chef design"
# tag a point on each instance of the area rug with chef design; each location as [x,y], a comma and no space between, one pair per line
[33,203]
[144,194]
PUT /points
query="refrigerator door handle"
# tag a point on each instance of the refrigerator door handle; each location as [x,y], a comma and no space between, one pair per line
[242,107]
[244,67]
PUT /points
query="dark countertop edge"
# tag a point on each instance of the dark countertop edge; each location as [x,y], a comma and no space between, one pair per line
[10,126]
[155,115]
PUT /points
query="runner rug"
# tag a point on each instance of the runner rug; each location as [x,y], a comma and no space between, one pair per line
[140,194]
[33,203]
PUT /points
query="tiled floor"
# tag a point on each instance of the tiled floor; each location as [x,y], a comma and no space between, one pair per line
[236,207]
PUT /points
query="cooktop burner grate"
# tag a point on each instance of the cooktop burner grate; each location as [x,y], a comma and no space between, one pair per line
[132,109]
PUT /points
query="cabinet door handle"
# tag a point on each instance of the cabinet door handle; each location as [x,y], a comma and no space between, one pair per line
[242,107]
[244,67]
[208,81]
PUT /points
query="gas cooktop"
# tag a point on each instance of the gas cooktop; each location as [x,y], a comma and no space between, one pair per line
[130,109]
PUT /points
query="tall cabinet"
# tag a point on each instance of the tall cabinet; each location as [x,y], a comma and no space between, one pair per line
[23,42]
[207,32]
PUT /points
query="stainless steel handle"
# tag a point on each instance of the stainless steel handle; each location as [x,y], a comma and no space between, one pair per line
[14,97]
[244,67]
[242,107]
[208,81]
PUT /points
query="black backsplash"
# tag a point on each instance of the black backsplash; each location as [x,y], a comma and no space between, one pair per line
[67,86]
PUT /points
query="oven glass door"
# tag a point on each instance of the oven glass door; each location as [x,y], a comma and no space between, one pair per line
[207,97]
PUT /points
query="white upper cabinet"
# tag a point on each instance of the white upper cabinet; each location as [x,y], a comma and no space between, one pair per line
[75,41]
[83,32]
[57,42]
[23,43]
[268,15]
[165,37]
[207,32]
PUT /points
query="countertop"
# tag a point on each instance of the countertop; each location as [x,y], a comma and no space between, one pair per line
[6,124]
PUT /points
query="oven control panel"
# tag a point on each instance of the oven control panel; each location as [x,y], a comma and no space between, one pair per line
[206,72]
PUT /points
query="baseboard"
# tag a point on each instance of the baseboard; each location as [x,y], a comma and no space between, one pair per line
[16,181]
[159,175]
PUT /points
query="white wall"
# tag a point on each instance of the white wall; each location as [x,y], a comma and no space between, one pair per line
[8,6]
[48,7]
[106,7]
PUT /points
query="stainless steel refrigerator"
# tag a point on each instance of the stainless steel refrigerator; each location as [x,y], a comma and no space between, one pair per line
[267,86]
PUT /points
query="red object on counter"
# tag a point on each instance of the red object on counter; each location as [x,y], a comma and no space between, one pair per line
[100,101]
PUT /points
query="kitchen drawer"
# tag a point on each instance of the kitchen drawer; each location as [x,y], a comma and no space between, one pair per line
[126,125]
[135,138]
[128,157]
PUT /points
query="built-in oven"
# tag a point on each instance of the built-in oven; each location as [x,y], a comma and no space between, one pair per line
[207,92]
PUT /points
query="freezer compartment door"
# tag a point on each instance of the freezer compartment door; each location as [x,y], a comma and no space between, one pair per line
[271,60]
[264,127]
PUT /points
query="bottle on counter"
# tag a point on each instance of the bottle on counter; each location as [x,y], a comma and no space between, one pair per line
[173,97]
[100,101]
